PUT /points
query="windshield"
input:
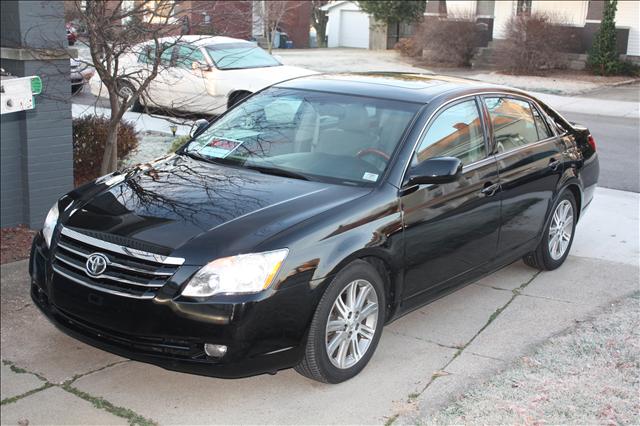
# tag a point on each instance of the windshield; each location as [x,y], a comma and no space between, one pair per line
[230,56]
[314,135]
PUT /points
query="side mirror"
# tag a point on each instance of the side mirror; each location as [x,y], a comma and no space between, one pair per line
[277,58]
[198,127]
[195,65]
[435,170]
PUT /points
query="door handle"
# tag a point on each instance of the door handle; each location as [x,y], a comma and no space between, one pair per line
[490,189]
[553,164]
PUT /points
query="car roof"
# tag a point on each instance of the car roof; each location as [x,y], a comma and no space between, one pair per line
[203,40]
[411,87]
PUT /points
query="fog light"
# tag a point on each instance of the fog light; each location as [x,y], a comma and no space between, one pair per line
[216,351]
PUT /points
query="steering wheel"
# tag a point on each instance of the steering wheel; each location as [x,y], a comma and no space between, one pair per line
[374,151]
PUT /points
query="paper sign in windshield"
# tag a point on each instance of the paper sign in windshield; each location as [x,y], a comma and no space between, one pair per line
[220,148]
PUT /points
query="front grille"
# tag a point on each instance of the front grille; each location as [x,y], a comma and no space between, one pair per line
[130,272]
[151,345]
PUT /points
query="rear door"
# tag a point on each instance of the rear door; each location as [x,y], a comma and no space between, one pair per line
[158,93]
[451,229]
[529,159]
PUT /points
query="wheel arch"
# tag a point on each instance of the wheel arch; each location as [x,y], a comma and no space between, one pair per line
[383,263]
[577,195]
[232,94]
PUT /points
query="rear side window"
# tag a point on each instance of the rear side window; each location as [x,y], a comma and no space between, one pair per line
[148,55]
[513,123]
[456,132]
[541,124]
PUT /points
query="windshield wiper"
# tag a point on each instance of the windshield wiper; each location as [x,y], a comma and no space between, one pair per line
[214,160]
[277,172]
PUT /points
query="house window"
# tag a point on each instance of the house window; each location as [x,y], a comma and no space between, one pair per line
[485,8]
[523,8]
[436,7]
[595,10]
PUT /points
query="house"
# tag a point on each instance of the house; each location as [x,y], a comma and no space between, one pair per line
[245,18]
[349,26]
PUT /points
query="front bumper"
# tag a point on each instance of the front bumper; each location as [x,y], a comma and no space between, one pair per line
[263,333]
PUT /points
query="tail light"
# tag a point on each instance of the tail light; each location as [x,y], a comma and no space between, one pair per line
[592,142]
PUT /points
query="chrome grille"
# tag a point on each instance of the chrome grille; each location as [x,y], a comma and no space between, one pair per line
[130,272]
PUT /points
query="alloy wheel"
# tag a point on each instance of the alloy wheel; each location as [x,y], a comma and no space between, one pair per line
[560,229]
[125,92]
[352,324]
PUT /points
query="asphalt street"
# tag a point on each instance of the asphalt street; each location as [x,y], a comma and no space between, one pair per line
[618,146]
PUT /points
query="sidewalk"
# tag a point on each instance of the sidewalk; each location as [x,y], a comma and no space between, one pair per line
[461,339]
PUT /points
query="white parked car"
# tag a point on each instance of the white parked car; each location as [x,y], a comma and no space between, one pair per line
[200,74]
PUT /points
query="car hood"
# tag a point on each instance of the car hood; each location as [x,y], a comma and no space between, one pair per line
[180,203]
[259,78]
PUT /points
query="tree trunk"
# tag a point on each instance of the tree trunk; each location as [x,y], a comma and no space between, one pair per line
[110,157]
[270,41]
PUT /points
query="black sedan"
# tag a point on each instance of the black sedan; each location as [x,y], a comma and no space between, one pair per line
[290,230]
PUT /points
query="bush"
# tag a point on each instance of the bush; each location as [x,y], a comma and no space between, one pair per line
[89,140]
[603,57]
[448,42]
[534,43]
[408,47]
[177,143]
[627,68]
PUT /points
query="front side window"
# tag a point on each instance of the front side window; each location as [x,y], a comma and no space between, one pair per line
[456,132]
[513,123]
[229,56]
[323,136]
[187,55]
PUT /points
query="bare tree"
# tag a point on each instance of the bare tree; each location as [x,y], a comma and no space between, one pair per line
[114,30]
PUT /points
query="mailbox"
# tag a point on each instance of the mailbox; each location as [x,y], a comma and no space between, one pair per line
[18,93]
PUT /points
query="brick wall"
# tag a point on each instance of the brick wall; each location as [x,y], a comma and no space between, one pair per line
[297,24]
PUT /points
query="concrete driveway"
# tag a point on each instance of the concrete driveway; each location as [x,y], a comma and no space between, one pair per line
[423,359]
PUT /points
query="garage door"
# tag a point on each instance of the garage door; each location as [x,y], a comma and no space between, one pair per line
[354,29]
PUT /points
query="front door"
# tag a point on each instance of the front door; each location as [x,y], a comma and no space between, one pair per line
[451,229]
[188,83]
[529,158]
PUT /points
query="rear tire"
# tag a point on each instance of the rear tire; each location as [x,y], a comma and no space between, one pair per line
[558,236]
[340,346]
[125,90]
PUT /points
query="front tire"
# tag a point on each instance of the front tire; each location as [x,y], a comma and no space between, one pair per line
[236,98]
[346,326]
[558,236]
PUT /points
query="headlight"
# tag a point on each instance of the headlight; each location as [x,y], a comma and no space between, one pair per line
[245,273]
[50,224]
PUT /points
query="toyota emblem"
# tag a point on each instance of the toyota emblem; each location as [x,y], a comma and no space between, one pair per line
[96,264]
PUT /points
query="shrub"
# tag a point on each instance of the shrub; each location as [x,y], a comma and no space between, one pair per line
[408,47]
[448,42]
[603,57]
[627,68]
[89,139]
[177,143]
[534,43]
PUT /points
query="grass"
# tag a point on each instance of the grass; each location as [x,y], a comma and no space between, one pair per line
[591,374]
[131,416]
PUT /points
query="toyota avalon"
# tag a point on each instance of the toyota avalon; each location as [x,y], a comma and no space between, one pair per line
[289,231]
